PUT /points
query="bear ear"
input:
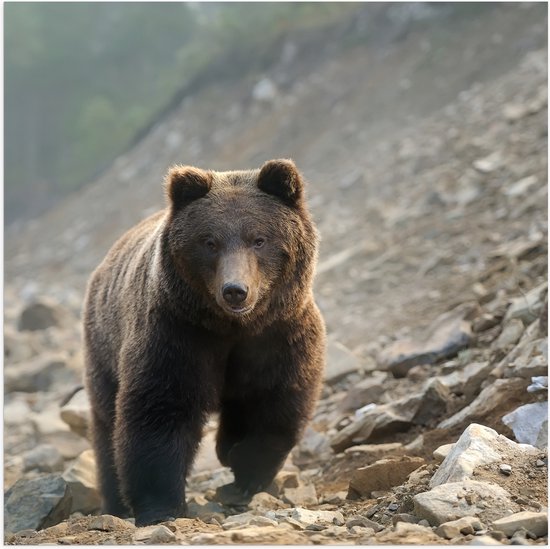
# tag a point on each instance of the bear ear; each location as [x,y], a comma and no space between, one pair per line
[185,184]
[282,179]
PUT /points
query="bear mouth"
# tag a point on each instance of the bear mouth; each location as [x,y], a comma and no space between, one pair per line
[238,311]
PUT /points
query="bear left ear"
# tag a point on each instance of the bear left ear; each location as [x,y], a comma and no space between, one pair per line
[282,179]
[184,184]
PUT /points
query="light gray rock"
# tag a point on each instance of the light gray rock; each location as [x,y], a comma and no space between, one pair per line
[495,395]
[81,478]
[442,452]
[307,517]
[44,458]
[109,523]
[484,540]
[76,413]
[467,381]
[537,523]
[462,526]
[455,500]
[510,335]
[530,423]
[301,495]
[366,391]
[340,362]
[377,451]
[527,308]
[36,503]
[447,335]
[478,445]
[263,502]
[153,535]
[16,412]
[237,521]
[38,374]
[417,409]
[313,444]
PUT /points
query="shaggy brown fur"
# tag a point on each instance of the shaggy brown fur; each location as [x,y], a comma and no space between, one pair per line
[205,306]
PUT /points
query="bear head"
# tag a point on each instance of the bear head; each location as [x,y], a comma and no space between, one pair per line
[243,239]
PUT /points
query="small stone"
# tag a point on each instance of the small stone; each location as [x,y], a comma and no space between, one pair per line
[81,478]
[383,475]
[302,495]
[404,517]
[285,479]
[442,452]
[153,535]
[44,458]
[464,526]
[393,507]
[76,413]
[263,501]
[505,469]
[489,163]
[38,374]
[531,521]
[109,523]
[540,463]
[510,334]
[306,516]
[364,522]
[340,362]
[484,540]
[236,521]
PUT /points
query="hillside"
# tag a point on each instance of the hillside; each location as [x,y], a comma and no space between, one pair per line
[426,156]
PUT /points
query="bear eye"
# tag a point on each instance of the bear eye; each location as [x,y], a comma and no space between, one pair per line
[259,242]
[211,245]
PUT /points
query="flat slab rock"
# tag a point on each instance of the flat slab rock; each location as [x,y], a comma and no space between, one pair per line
[383,475]
[447,335]
[478,445]
[537,523]
[455,500]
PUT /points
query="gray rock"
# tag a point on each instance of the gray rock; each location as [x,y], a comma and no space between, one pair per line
[510,335]
[38,374]
[340,362]
[377,451]
[537,523]
[44,458]
[505,469]
[489,163]
[41,314]
[527,308]
[263,502]
[442,452]
[109,523]
[478,445]
[36,503]
[497,394]
[76,413]
[462,526]
[455,500]
[467,381]
[153,535]
[81,478]
[530,423]
[383,475]
[307,517]
[301,495]
[366,391]
[236,521]
[484,540]
[447,335]
[313,444]
[16,412]
[420,408]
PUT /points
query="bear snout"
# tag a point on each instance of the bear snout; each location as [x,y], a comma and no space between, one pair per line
[234,293]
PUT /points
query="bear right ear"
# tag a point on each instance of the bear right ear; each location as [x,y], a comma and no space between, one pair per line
[185,184]
[281,178]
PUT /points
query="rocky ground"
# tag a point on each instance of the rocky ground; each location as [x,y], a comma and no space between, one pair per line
[432,426]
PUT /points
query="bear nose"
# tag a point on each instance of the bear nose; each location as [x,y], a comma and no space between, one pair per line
[234,293]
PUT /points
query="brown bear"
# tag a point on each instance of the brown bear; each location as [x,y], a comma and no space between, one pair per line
[206,306]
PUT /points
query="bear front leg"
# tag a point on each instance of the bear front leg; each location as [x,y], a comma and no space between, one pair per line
[274,423]
[156,440]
